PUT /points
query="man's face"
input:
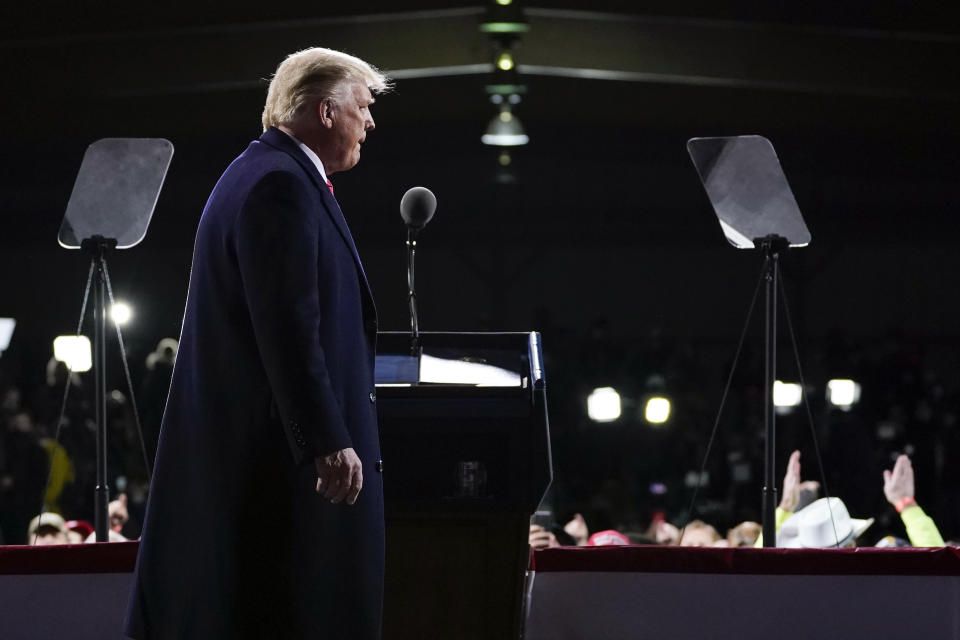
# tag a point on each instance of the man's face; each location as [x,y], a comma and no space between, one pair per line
[351,120]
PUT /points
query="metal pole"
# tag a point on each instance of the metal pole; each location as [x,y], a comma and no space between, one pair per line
[772,259]
[102,492]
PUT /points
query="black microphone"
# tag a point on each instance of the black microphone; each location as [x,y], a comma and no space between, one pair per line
[417,207]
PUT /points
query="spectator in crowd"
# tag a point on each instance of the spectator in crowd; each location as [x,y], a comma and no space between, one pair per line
[116,517]
[827,523]
[117,513]
[46,529]
[11,403]
[77,436]
[578,530]
[795,492]
[48,401]
[540,537]
[61,473]
[607,538]
[824,523]
[698,533]
[744,534]
[661,531]
[23,473]
[153,392]
[78,530]
[548,533]
[899,492]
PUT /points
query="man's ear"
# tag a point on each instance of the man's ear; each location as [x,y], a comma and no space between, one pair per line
[325,113]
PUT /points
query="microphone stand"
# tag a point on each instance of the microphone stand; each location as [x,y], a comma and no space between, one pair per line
[415,347]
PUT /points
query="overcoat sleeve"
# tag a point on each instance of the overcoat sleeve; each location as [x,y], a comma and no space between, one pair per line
[277,244]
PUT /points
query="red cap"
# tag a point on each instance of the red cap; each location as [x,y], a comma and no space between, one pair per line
[608,537]
[82,527]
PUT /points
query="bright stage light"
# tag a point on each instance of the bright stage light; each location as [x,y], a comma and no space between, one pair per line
[657,410]
[74,351]
[7,326]
[603,405]
[843,393]
[121,313]
[505,61]
[786,394]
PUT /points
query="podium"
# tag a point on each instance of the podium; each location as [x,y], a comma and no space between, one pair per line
[466,460]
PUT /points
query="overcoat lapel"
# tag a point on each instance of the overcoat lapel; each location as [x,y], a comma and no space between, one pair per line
[276,138]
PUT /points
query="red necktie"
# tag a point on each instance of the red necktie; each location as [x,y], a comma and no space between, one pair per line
[330,186]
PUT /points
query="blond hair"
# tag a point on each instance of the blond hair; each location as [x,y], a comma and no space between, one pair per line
[306,77]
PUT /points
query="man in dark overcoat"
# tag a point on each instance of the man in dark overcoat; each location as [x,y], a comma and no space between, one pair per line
[256,525]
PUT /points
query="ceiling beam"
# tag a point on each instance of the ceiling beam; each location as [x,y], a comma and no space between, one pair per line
[563,43]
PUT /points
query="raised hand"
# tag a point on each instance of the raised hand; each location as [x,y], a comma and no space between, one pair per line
[898,484]
[791,484]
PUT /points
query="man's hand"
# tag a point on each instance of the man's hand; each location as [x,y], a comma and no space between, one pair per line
[540,537]
[791,484]
[339,476]
[898,484]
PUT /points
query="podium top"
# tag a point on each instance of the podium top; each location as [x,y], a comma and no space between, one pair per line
[495,359]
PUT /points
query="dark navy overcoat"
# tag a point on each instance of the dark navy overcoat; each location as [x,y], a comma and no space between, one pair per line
[275,367]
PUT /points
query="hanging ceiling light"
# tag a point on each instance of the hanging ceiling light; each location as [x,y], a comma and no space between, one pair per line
[505,130]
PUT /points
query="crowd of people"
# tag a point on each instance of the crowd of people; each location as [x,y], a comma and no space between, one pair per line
[624,474]
[47,476]
[802,520]
[908,407]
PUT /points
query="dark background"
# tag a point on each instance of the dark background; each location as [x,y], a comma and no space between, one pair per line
[598,234]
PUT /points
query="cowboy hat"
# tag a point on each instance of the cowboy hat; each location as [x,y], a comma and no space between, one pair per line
[823,523]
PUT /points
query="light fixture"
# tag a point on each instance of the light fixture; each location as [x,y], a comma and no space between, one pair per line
[121,313]
[7,326]
[657,410]
[843,393]
[505,61]
[73,351]
[504,3]
[505,130]
[603,405]
[786,394]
